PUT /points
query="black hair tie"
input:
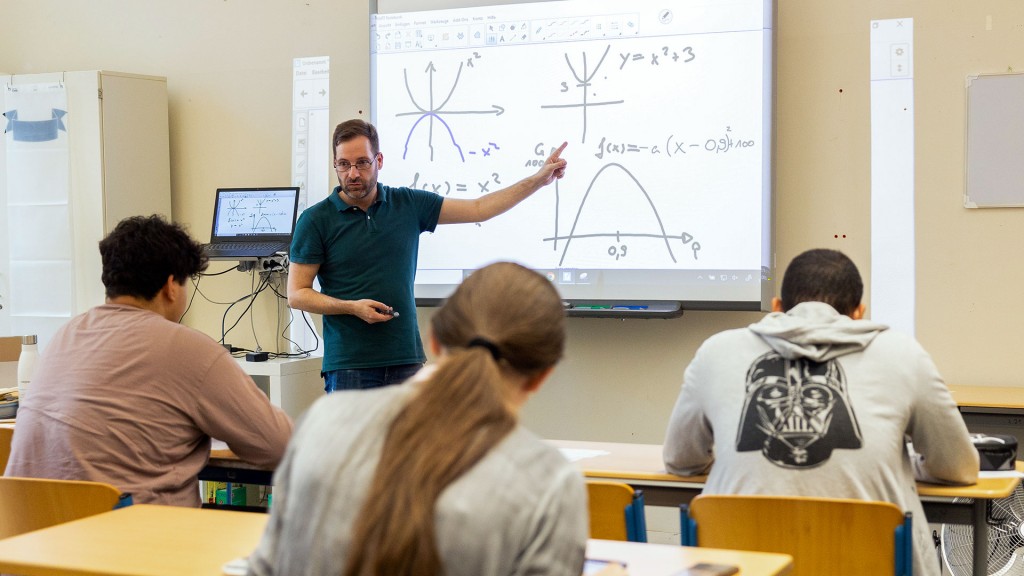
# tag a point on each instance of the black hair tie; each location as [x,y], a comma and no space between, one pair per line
[485,343]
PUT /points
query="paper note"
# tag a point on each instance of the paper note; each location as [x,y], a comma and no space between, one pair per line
[575,454]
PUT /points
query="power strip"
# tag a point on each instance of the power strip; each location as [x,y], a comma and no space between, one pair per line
[276,263]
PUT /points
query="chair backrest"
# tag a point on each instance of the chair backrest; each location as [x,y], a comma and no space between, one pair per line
[6,436]
[616,511]
[839,537]
[28,504]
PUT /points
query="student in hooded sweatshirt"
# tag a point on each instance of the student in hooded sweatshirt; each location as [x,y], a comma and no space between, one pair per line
[815,401]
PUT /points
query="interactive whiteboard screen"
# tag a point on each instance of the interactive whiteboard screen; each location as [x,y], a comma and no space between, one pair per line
[666,107]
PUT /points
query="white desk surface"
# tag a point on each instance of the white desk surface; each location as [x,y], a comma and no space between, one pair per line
[281,366]
[642,559]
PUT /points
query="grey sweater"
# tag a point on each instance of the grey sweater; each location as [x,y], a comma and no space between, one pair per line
[520,510]
[813,403]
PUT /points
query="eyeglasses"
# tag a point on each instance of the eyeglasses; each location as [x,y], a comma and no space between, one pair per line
[363,164]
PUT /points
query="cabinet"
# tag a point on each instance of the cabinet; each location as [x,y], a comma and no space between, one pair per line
[81,151]
[293,384]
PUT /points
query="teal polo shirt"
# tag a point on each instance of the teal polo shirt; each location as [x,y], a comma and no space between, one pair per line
[368,255]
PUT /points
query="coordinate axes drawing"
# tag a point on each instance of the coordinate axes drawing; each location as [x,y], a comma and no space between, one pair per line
[432,112]
[584,82]
[618,249]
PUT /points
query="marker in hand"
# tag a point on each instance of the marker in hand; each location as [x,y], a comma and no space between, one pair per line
[387,312]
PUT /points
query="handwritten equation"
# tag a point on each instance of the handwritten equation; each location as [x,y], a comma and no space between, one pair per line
[686,54]
[675,146]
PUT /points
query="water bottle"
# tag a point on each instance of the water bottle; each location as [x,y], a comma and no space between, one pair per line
[26,365]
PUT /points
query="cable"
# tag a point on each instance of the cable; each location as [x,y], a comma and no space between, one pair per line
[195,289]
[252,299]
[252,321]
[233,268]
[269,279]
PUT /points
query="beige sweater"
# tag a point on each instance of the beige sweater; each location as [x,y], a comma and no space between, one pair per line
[121,395]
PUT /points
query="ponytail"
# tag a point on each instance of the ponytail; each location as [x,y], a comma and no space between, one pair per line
[458,415]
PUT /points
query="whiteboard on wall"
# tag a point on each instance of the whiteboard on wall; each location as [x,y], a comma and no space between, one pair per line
[995,141]
[667,111]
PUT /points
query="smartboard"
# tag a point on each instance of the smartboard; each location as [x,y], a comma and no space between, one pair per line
[667,111]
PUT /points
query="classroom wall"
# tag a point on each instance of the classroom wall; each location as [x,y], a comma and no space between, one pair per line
[228,65]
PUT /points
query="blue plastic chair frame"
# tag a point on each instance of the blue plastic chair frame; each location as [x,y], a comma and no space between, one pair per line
[905,547]
[636,519]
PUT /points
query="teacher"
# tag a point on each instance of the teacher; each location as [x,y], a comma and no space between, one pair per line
[361,243]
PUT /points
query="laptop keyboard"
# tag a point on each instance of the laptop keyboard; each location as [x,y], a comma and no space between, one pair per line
[246,247]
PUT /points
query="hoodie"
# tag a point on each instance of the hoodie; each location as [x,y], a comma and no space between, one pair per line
[813,403]
[816,331]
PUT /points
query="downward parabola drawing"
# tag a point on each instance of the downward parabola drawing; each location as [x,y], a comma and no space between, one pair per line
[605,210]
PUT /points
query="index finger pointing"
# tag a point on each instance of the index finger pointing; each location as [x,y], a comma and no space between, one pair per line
[554,155]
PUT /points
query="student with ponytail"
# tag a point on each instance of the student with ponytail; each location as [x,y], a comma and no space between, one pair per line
[437,476]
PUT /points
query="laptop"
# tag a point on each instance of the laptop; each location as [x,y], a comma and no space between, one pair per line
[252,223]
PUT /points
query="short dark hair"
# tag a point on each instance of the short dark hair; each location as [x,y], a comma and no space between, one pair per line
[822,275]
[355,128]
[142,251]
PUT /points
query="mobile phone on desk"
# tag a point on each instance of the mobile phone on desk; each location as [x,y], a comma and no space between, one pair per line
[707,569]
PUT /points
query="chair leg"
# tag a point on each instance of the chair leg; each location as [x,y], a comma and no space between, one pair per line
[905,547]
[687,526]
[636,519]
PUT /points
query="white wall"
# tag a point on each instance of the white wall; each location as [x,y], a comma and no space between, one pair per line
[228,65]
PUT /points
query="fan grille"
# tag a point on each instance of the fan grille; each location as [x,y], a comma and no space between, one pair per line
[1006,544]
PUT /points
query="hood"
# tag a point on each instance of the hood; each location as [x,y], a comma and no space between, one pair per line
[814,330]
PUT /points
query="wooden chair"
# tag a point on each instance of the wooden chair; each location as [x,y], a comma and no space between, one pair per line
[616,511]
[839,537]
[6,436]
[28,504]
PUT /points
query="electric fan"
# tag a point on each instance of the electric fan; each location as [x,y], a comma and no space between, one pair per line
[1005,539]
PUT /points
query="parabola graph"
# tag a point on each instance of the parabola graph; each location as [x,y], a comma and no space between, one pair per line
[627,198]
[584,82]
[433,112]
[261,224]
[235,208]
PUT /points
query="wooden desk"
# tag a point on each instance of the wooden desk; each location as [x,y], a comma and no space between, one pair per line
[664,560]
[641,466]
[1002,399]
[225,466]
[140,540]
[991,409]
[148,540]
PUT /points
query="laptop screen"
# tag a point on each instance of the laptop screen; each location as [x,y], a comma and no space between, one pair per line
[254,214]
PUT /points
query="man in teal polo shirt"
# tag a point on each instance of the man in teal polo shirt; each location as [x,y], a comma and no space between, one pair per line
[362,243]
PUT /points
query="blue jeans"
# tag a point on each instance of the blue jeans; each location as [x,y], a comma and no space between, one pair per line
[362,378]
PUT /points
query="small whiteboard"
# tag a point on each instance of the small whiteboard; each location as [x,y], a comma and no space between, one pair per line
[995,141]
